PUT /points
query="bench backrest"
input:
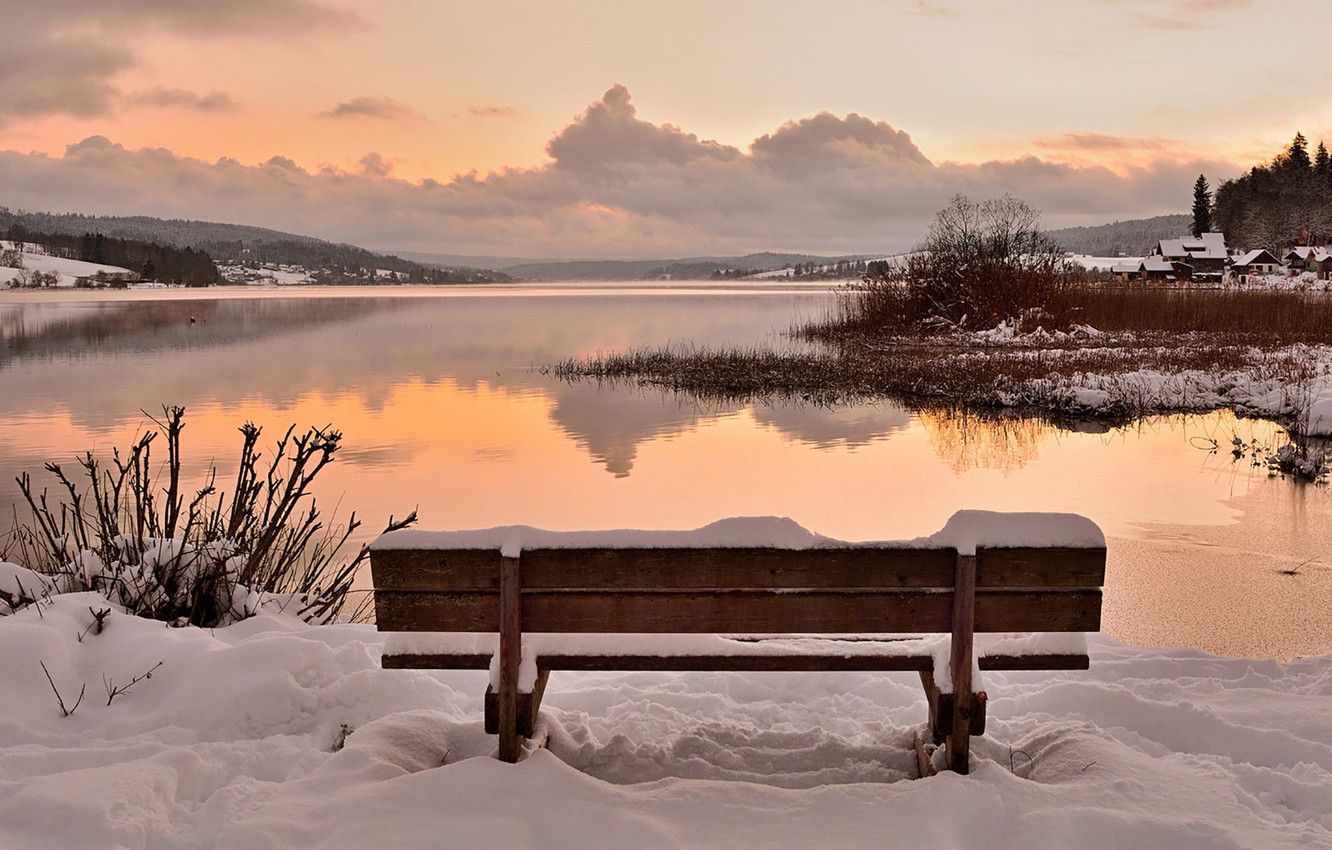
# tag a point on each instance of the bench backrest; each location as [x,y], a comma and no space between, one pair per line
[738,590]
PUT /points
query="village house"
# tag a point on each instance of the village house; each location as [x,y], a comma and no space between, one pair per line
[1259,261]
[1206,255]
[1296,257]
[103,278]
[1127,270]
[1320,263]
[1151,267]
[1309,258]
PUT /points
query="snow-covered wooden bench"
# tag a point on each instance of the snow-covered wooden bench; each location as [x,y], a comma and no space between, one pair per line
[989,592]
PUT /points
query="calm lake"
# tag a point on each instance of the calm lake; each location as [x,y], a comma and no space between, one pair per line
[443,410]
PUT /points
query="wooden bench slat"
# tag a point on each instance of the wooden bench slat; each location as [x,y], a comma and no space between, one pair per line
[436,611]
[436,661]
[435,569]
[681,569]
[684,569]
[1040,567]
[742,611]
[807,662]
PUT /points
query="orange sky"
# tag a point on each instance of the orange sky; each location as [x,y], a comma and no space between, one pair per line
[490,82]
[438,89]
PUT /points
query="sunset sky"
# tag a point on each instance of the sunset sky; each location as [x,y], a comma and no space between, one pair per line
[643,129]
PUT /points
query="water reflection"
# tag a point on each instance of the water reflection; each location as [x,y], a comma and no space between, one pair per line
[967,440]
[846,426]
[442,411]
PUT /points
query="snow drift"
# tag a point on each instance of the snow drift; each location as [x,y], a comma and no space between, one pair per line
[274,733]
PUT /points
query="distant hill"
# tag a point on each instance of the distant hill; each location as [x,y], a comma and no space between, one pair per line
[1132,238]
[471,261]
[240,243]
[686,268]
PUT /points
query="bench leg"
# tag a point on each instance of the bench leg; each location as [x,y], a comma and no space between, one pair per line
[941,709]
[510,657]
[937,718]
[527,724]
[964,704]
[529,705]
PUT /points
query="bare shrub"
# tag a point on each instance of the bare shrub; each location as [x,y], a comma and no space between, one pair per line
[208,558]
[982,263]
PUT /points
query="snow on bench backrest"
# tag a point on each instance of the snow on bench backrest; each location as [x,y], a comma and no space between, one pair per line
[1034,572]
[964,531]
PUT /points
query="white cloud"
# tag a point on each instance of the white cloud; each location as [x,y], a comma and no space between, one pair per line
[615,185]
[63,56]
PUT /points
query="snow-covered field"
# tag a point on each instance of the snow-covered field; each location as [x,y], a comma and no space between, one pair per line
[66,271]
[272,733]
[267,274]
[1102,264]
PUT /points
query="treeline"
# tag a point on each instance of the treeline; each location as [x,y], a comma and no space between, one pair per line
[1287,202]
[835,270]
[234,243]
[344,275]
[149,260]
[1131,238]
[341,263]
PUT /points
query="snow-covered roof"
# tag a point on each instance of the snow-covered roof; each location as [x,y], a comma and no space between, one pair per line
[1209,246]
[1128,267]
[1157,264]
[1301,252]
[1252,256]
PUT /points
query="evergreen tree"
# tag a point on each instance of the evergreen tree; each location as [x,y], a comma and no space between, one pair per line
[1288,202]
[1298,155]
[1202,206]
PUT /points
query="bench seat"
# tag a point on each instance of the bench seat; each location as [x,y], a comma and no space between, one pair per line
[737,653]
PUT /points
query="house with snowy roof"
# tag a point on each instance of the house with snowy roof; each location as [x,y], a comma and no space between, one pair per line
[1151,267]
[1258,261]
[1206,254]
[1320,263]
[1309,258]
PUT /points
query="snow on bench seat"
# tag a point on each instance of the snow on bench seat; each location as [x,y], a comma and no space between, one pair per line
[552,651]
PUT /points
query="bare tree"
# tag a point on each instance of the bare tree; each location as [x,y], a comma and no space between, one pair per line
[981,263]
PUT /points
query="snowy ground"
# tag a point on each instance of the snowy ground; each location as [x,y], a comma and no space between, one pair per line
[267,274]
[1303,282]
[236,741]
[1292,384]
[66,271]
[1102,264]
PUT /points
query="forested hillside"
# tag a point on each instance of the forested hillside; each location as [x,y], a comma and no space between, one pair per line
[1287,202]
[150,260]
[237,243]
[1131,238]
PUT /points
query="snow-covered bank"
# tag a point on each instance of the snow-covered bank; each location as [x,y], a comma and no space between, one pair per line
[1292,384]
[240,740]
[31,260]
